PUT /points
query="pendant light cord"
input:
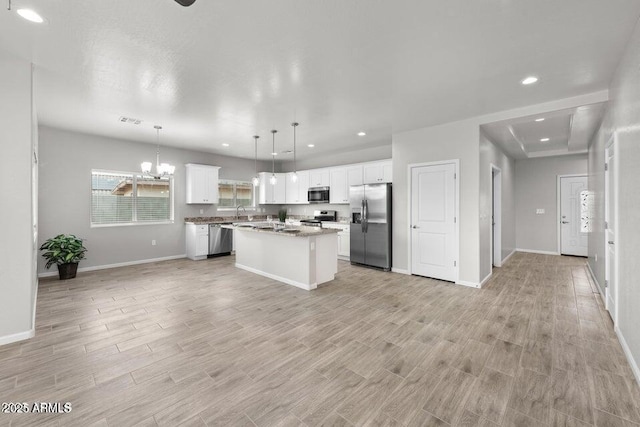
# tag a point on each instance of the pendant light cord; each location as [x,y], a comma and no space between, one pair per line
[295,163]
[273,153]
[157,145]
[255,157]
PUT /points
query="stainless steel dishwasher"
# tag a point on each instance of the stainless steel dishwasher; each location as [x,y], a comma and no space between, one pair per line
[220,240]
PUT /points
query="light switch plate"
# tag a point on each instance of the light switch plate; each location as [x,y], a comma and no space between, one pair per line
[539,211]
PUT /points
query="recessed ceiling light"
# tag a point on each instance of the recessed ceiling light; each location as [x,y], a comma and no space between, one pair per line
[362,133]
[541,119]
[529,80]
[225,145]
[310,145]
[544,139]
[274,154]
[30,15]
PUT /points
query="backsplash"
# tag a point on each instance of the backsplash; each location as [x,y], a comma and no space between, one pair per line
[306,211]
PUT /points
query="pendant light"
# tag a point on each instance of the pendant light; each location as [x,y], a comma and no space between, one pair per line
[294,176]
[162,169]
[256,178]
[273,180]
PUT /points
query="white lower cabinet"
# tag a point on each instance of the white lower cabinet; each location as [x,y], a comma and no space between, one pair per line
[344,245]
[197,241]
[344,239]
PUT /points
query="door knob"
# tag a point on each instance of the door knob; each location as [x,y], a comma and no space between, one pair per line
[415,226]
[565,222]
[610,242]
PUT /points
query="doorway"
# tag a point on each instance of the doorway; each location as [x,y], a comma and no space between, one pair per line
[433,220]
[496,216]
[611,225]
[573,240]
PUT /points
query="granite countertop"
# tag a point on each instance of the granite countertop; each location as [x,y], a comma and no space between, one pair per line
[302,231]
[201,220]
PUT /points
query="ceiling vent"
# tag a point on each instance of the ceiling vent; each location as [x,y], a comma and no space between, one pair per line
[130,120]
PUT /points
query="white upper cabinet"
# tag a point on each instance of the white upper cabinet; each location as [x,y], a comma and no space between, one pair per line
[202,184]
[341,179]
[378,172]
[296,192]
[319,178]
[272,194]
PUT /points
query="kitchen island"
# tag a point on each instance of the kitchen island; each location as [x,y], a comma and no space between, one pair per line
[304,257]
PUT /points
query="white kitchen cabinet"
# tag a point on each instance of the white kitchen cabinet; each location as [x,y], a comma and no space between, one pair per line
[272,194]
[341,179]
[202,184]
[378,172]
[344,238]
[344,245]
[197,241]
[319,178]
[296,192]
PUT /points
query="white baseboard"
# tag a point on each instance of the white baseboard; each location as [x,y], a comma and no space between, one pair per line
[485,280]
[469,284]
[20,336]
[627,352]
[595,280]
[400,271]
[278,278]
[509,256]
[120,264]
[534,251]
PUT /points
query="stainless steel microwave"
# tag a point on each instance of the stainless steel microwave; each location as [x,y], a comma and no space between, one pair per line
[318,195]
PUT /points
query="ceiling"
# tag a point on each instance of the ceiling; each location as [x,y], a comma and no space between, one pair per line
[554,133]
[221,71]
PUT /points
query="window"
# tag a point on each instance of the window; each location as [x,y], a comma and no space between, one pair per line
[122,198]
[235,193]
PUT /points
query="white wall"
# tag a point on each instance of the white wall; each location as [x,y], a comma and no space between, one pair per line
[457,140]
[596,185]
[66,160]
[536,188]
[490,154]
[18,280]
[623,121]
[380,152]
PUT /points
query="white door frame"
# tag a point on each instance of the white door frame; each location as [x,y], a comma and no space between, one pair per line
[611,145]
[495,260]
[559,204]
[456,163]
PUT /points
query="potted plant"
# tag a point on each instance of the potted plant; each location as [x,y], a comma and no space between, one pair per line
[282,215]
[65,250]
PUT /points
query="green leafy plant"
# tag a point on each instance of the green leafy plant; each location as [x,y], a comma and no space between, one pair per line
[282,215]
[63,249]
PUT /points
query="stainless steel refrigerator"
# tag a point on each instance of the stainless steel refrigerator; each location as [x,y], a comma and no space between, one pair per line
[371,225]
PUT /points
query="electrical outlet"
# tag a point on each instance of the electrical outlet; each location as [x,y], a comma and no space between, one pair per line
[153,243]
[201,211]
[539,211]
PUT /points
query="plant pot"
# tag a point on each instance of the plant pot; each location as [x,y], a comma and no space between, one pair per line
[67,271]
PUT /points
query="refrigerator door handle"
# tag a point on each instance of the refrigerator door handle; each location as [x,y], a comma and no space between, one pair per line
[366,215]
[363,215]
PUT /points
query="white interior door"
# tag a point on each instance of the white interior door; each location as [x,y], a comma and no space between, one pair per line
[433,232]
[572,240]
[610,234]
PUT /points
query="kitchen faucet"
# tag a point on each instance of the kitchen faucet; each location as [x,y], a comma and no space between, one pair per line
[238,211]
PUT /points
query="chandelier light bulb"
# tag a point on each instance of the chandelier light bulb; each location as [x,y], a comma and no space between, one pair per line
[256,181]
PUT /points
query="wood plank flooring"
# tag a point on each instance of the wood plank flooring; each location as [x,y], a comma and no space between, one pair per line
[183,343]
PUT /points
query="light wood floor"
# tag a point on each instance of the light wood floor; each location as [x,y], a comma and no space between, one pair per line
[202,343]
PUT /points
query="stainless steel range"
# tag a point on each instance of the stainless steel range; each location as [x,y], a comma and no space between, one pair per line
[318,217]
